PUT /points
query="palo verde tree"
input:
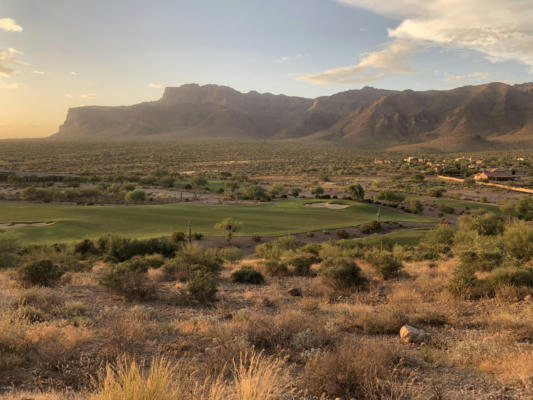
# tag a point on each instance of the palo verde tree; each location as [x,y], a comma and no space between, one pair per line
[229,226]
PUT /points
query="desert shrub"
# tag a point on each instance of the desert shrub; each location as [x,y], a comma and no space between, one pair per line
[463,282]
[436,242]
[230,254]
[202,286]
[482,253]
[443,208]
[389,195]
[129,279]
[123,249]
[135,196]
[177,237]
[300,262]
[247,275]
[384,263]
[40,273]
[356,369]
[376,242]
[518,242]
[192,259]
[341,273]
[197,235]
[256,238]
[275,248]
[275,267]
[9,251]
[342,234]
[85,247]
[484,223]
[382,321]
[255,192]
[415,206]
[312,248]
[370,227]
[436,191]
[508,276]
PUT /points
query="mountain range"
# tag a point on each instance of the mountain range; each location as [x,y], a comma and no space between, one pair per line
[470,118]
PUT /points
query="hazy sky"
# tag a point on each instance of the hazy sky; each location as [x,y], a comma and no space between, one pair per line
[56,54]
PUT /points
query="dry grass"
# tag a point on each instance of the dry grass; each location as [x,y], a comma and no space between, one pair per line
[512,367]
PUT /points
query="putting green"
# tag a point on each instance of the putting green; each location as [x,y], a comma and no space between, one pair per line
[143,221]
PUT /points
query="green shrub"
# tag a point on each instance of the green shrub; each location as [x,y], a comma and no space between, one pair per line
[384,263]
[177,237]
[135,196]
[484,223]
[275,248]
[9,251]
[436,192]
[508,276]
[230,254]
[436,242]
[189,260]
[415,206]
[443,208]
[518,242]
[342,234]
[247,275]
[370,227]
[129,279]
[463,282]
[275,267]
[341,273]
[301,262]
[202,286]
[389,195]
[40,273]
[482,253]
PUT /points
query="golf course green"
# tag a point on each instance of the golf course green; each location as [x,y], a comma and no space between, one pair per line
[70,222]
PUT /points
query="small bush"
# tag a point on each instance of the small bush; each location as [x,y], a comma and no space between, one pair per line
[370,227]
[275,268]
[508,276]
[129,280]
[301,263]
[443,208]
[230,254]
[390,196]
[343,234]
[341,273]
[177,237]
[247,275]
[384,263]
[40,273]
[463,282]
[202,286]
[135,196]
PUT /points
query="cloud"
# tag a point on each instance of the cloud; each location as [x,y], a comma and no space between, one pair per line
[10,85]
[156,85]
[473,75]
[373,66]
[499,29]
[37,72]
[8,60]
[288,58]
[87,96]
[73,73]
[8,24]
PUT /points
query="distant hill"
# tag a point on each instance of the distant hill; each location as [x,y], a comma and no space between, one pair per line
[483,117]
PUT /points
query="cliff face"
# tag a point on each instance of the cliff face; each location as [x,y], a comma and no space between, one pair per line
[483,116]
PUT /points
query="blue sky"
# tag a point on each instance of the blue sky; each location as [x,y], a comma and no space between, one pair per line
[56,54]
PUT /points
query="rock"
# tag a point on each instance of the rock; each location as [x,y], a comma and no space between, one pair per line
[527,298]
[410,334]
[296,292]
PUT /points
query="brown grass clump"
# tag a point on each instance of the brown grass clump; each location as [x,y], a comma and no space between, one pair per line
[359,369]
[129,380]
[512,367]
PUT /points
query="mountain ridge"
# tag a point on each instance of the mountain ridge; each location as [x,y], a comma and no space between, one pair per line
[488,116]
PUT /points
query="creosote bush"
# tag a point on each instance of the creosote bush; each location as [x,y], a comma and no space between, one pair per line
[40,273]
[384,263]
[247,275]
[463,282]
[341,273]
[202,286]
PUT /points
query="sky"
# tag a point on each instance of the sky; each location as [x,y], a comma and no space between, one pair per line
[57,54]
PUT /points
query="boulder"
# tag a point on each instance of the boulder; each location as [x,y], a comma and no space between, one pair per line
[410,334]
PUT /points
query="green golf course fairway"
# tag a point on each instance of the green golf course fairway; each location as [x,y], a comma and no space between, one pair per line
[144,221]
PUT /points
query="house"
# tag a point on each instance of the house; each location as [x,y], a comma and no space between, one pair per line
[495,174]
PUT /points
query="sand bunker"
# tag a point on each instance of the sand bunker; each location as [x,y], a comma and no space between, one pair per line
[22,224]
[328,205]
